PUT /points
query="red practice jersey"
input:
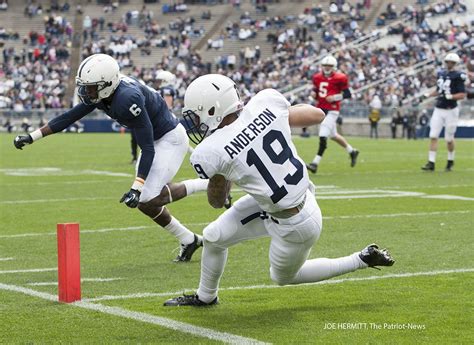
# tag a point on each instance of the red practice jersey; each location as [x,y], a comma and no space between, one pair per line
[328,86]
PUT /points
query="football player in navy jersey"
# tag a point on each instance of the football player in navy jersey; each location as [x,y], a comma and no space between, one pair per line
[159,134]
[450,89]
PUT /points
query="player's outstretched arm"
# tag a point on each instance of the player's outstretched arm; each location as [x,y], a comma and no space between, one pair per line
[55,125]
[304,115]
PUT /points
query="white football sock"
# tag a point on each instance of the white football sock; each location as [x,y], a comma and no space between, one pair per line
[316,270]
[317,159]
[349,148]
[450,155]
[432,156]
[183,234]
[195,185]
[213,261]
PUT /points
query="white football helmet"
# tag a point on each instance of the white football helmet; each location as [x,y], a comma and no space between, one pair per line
[97,78]
[329,64]
[208,99]
[452,57]
[166,78]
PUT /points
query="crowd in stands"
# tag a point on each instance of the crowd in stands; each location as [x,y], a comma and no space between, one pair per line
[114,38]
[296,41]
[36,75]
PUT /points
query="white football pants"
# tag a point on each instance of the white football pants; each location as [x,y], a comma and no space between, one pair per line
[170,151]
[291,242]
[447,118]
[328,127]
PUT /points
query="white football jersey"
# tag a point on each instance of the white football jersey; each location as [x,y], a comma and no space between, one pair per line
[257,154]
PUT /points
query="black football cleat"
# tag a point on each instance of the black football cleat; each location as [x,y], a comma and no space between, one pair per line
[353,156]
[313,167]
[430,166]
[187,250]
[189,300]
[449,166]
[228,202]
[373,256]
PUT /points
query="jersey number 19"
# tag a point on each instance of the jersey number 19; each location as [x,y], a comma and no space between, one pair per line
[278,158]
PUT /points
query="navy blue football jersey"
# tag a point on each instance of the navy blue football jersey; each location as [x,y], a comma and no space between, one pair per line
[449,82]
[135,106]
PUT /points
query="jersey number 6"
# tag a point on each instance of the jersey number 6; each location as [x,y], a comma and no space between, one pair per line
[135,110]
[286,154]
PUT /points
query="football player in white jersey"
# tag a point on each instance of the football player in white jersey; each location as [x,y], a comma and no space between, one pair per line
[251,146]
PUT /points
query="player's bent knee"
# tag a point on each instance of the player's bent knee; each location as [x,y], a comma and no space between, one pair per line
[279,278]
[211,233]
[163,198]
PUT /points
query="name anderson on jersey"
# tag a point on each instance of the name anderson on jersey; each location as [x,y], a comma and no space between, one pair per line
[244,138]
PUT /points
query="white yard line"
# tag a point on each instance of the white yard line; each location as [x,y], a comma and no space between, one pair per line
[33,270]
[33,201]
[252,287]
[67,182]
[54,171]
[129,228]
[139,228]
[383,194]
[6,259]
[404,214]
[448,197]
[94,280]
[142,317]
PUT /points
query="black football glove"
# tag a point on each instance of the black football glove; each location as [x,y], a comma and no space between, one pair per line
[131,198]
[22,140]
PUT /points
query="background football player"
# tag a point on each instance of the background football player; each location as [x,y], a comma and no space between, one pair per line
[450,89]
[161,137]
[330,87]
[251,146]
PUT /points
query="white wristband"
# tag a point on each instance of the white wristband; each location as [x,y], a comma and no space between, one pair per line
[138,184]
[36,135]
[448,96]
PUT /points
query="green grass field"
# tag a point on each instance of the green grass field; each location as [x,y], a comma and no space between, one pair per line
[425,219]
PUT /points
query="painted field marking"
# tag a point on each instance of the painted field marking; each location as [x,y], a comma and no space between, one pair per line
[252,287]
[33,270]
[402,214]
[322,193]
[6,259]
[66,182]
[448,197]
[94,280]
[139,228]
[54,171]
[34,201]
[141,317]
[129,228]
